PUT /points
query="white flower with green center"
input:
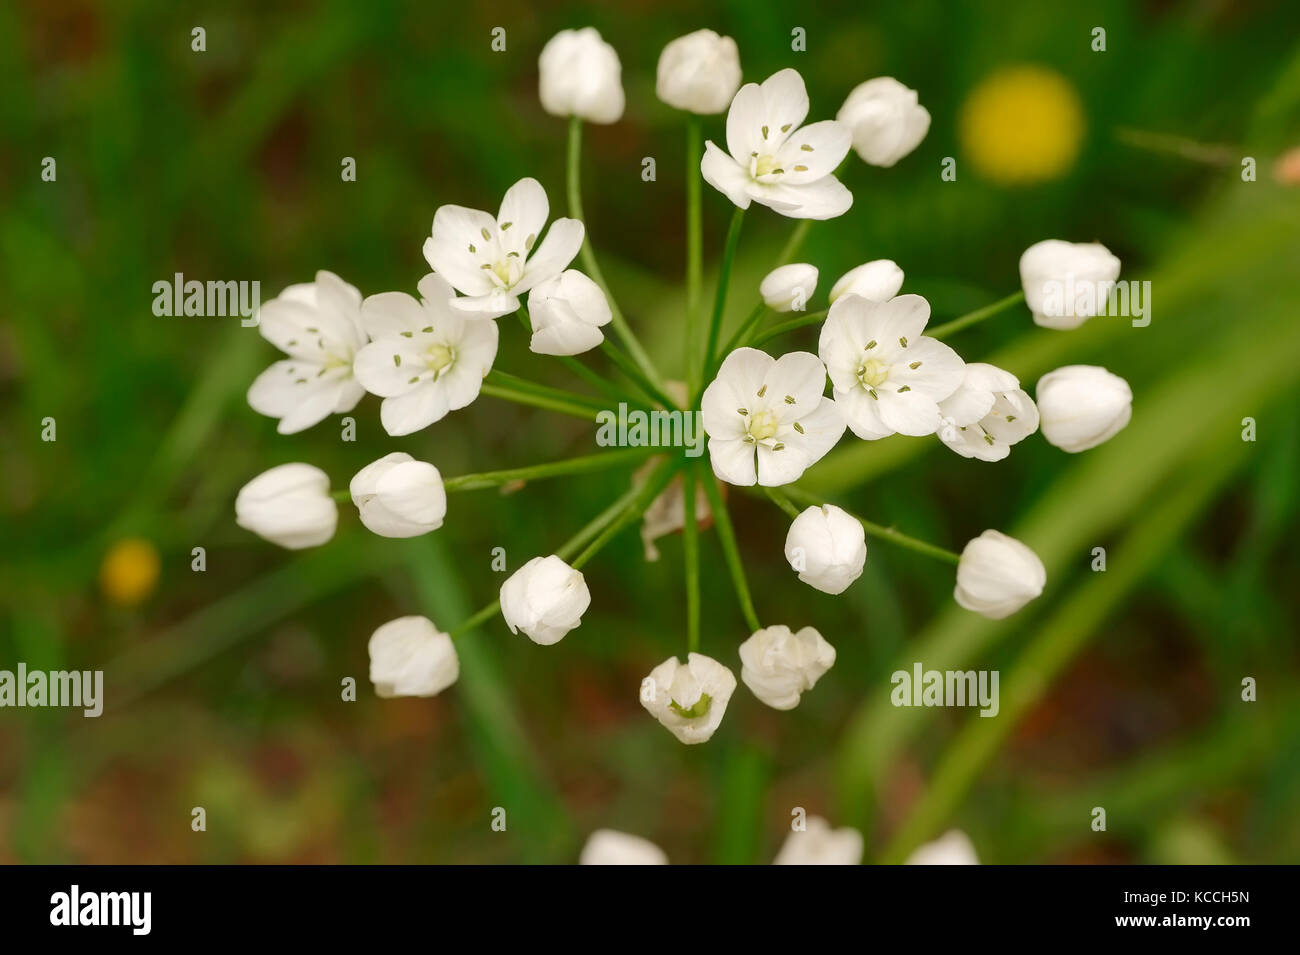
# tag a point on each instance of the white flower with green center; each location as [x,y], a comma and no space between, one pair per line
[987,414]
[425,359]
[767,419]
[688,699]
[776,162]
[491,262]
[318,325]
[888,378]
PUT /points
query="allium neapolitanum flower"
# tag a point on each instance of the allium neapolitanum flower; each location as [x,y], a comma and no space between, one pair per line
[545,598]
[878,280]
[426,359]
[567,313]
[778,665]
[1083,406]
[289,505]
[580,75]
[690,698]
[789,287]
[827,547]
[998,575]
[887,377]
[886,119]
[611,847]
[773,161]
[819,844]
[409,656]
[1067,283]
[699,72]
[491,262]
[398,496]
[952,848]
[318,325]
[987,414]
[772,409]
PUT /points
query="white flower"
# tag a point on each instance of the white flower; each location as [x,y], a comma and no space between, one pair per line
[545,598]
[778,665]
[1066,283]
[581,76]
[699,72]
[878,280]
[318,326]
[775,163]
[952,848]
[493,261]
[1083,406]
[997,575]
[688,699]
[987,414]
[610,847]
[772,408]
[426,359]
[567,312]
[819,844]
[398,496]
[827,547]
[789,287]
[409,656]
[887,378]
[289,505]
[886,119]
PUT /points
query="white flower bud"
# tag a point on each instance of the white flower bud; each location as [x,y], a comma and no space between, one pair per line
[886,118]
[688,699]
[610,847]
[778,665]
[876,281]
[398,496]
[289,505]
[819,844]
[699,72]
[789,287]
[952,848]
[997,575]
[1066,283]
[1081,406]
[409,656]
[567,312]
[545,598]
[581,76]
[827,547]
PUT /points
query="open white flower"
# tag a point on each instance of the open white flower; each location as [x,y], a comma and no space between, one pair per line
[878,280]
[886,118]
[409,656]
[887,377]
[827,547]
[318,325]
[819,844]
[426,359]
[398,496]
[545,598]
[997,575]
[1083,406]
[1066,283]
[289,505]
[772,409]
[952,848]
[773,161]
[778,665]
[611,847]
[580,75]
[788,288]
[699,72]
[987,414]
[689,699]
[491,262]
[567,312]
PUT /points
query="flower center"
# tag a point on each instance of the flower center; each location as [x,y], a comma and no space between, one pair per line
[693,712]
[765,165]
[873,373]
[763,426]
[439,358]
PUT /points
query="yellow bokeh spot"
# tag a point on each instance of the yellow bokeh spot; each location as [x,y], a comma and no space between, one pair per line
[129,572]
[1022,125]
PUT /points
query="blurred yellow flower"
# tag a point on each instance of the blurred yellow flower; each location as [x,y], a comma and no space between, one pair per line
[129,572]
[1021,125]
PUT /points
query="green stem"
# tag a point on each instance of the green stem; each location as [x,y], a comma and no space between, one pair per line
[730,551]
[812,318]
[739,337]
[794,243]
[691,555]
[783,502]
[724,279]
[538,401]
[583,465]
[879,530]
[694,248]
[971,318]
[651,391]
[654,484]
[515,383]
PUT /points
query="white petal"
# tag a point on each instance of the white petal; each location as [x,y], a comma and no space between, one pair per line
[447,250]
[733,461]
[494,304]
[825,198]
[418,409]
[390,313]
[725,175]
[814,151]
[563,241]
[745,121]
[523,213]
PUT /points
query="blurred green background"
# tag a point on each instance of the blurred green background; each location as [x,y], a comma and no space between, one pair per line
[1119,689]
